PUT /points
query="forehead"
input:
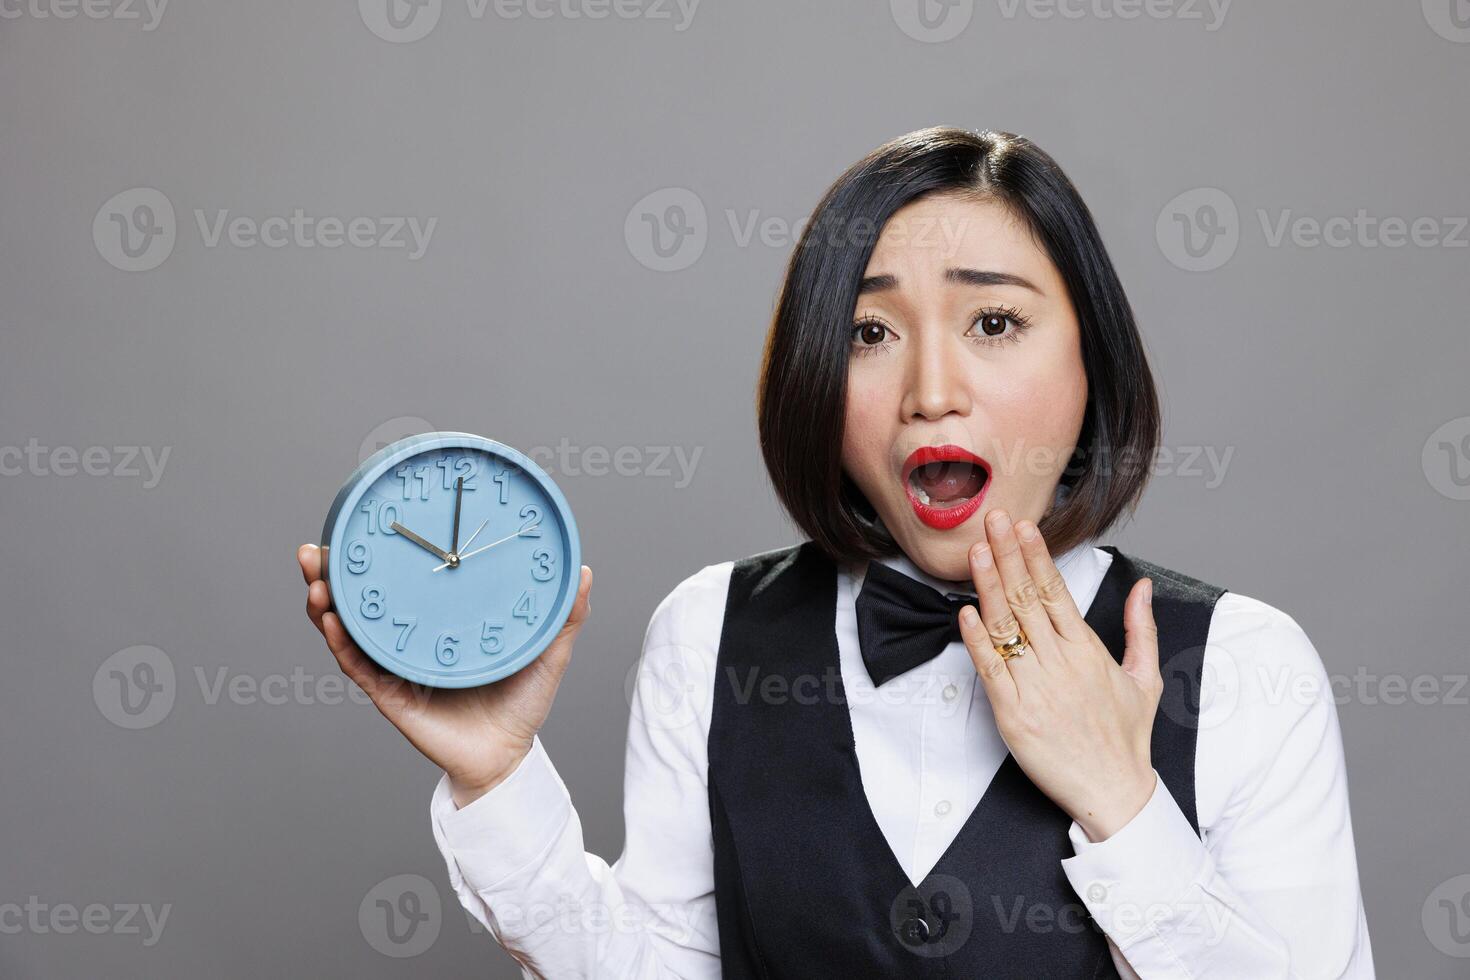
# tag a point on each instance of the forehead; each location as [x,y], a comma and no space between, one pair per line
[927,236]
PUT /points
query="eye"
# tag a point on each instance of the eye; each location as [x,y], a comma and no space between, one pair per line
[870,335]
[989,326]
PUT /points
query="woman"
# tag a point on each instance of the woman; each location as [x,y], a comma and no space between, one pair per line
[948,735]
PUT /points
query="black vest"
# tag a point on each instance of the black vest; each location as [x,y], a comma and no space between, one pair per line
[805,883]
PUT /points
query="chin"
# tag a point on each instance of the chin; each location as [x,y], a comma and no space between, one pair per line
[944,554]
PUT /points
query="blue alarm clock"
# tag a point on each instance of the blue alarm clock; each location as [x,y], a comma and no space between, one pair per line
[452,560]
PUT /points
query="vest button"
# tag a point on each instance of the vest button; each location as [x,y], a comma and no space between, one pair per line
[913,931]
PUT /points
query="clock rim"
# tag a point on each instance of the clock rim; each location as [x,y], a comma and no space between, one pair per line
[370,470]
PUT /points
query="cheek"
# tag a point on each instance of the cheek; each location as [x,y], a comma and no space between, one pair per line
[1042,408]
[867,438]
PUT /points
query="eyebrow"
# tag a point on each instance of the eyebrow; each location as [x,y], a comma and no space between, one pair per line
[967,277]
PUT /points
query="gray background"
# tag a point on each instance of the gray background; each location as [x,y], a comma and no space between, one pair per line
[534,316]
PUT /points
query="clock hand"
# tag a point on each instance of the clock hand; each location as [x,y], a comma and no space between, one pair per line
[487,547]
[477,532]
[458,499]
[439,552]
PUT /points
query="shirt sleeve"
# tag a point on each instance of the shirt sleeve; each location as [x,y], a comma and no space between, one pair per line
[516,857]
[1269,889]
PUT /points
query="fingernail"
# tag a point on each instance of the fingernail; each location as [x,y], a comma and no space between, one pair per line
[1026,530]
[969,616]
[1001,521]
[1148,592]
[981,556]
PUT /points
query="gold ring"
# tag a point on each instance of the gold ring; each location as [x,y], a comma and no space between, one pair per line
[1016,646]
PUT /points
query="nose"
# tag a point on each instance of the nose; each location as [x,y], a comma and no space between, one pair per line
[937,380]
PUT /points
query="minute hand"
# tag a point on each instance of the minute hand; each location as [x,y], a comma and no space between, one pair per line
[487,547]
[440,552]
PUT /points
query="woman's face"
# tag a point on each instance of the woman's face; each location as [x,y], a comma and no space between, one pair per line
[966,387]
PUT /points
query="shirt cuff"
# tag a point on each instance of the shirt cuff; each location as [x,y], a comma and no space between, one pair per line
[1133,881]
[508,828]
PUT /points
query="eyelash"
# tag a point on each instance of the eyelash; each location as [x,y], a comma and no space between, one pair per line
[1022,324]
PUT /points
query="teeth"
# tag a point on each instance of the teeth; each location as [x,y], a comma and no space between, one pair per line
[923,497]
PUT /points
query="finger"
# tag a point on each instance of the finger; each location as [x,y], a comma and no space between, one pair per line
[1020,589]
[310,558]
[559,653]
[1051,587]
[354,663]
[995,610]
[1000,686]
[318,601]
[1141,634]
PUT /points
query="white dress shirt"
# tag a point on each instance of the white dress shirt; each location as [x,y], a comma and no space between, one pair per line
[1268,890]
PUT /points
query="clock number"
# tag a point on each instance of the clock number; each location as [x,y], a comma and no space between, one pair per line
[409,473]
[465,467]
[380,516]
[502,480]
[372,603]
[543,569]
[446,650]
[525,607]
[532,527]
[491,642]
[359,557]
[405,627]
[453,467]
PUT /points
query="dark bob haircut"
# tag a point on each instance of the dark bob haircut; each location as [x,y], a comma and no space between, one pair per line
[803,380]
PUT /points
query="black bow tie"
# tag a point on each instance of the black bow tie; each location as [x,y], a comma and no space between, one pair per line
[902,622]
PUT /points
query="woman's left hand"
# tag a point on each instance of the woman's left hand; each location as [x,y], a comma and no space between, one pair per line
[1078,724]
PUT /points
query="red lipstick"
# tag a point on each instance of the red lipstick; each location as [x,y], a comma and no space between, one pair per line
[943,515]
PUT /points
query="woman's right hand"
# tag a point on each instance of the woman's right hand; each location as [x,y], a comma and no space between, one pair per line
[477,735]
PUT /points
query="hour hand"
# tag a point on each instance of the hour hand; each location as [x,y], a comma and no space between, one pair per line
[440,553]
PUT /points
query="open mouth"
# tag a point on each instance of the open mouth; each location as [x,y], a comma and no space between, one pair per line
[945,484]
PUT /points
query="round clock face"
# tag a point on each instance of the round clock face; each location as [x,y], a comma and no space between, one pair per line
[438,609]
